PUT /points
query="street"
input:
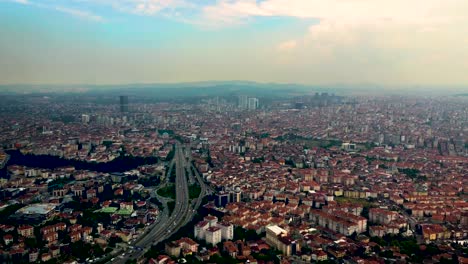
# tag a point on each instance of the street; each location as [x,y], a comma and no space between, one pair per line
[168,225]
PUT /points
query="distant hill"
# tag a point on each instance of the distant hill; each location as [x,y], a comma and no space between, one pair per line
[212,88]
[220,88]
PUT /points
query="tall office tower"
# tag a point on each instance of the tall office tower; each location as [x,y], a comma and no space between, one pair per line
[85,118]
[253,103]
[243,101]
[123,103]
[236,195]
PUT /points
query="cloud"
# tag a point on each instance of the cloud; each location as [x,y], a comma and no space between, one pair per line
[80,14]
[418,41]
[287,45]
[349,11]
[151,7]
[233,12]
[67,10]
[364,40]
[141,7]
[24,2]
[168,8]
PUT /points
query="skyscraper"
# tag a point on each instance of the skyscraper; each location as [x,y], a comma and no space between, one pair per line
[85,119]
[253,103]
[123,103]
[243,102]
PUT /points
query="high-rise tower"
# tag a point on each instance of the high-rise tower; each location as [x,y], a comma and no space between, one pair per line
[123,103]
[253,103]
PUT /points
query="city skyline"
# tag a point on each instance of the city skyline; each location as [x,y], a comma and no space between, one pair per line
[307,42]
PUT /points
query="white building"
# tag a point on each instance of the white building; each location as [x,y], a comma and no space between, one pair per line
[213,231]
[279,239]
[253,103]
[243,101]
[200,230]
[213,235]
[212,220]
[85,119]
[227,230]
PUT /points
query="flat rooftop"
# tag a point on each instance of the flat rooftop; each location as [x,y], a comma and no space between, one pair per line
[37,209]
[277,230]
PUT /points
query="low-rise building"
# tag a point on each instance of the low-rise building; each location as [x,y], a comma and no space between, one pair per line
[280,239]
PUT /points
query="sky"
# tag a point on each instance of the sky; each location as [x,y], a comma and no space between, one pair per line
[317,42]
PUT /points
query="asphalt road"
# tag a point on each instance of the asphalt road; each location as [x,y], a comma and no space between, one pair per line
[166,225]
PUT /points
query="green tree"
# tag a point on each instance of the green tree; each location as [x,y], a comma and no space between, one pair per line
[31,242]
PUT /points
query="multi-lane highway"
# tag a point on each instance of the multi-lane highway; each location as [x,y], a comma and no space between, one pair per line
[167,225]
[206,190]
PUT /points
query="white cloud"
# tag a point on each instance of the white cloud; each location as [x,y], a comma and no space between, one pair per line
[385,41]
[80,14]
[233,12]
[71,11]
[24,2]
[151,7]
[287,45]
[349,11]
[417,41]
[142,7]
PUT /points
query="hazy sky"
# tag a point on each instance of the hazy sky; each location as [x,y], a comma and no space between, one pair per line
[388,42]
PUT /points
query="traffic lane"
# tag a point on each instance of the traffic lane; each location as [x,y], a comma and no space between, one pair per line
[180,211]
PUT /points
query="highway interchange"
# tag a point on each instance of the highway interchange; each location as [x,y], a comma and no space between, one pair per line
[166,225]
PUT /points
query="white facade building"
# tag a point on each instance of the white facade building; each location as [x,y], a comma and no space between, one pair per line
[213,231]
[213,235]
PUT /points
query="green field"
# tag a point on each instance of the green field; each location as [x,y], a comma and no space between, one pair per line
[124,212]
[107,210]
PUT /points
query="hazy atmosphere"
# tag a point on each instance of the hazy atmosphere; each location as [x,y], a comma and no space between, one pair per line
[392,43]
[233,131]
